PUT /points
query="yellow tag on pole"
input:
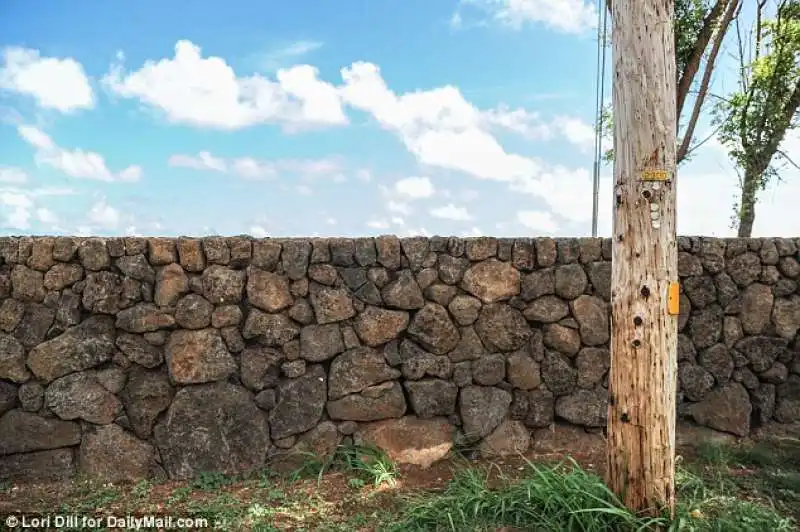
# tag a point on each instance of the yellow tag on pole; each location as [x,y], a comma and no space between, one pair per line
[673,299]
[655,174]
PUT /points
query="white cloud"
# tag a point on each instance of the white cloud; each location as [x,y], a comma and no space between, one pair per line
[451,212]
[378,224]
[568,16]
[203,161]
[398,207]
[46,216]
[278,57]
[104,215]
[55,83]
[17,207]
[414,187]
[75,163]
[258,231]
[12,175]
[254,169]
[519,121]
[541,222]
[576,131]
[206,92]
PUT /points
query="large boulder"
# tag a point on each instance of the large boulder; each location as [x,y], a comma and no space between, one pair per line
[377,402]
[482,408]
[409,440]
[197,356]
[299,403]
[110,454]
[212,428]
[23,432]
[84,346]
[434,330]
[492,281]
[358,369]
[726,409]
[502,327]
[81,396]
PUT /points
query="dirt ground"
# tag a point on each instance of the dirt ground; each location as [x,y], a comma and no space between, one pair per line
[331,501]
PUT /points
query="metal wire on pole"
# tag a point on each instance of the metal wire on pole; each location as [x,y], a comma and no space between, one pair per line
[600,77]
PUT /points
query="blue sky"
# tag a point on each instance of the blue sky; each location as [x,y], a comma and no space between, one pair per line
[316,118]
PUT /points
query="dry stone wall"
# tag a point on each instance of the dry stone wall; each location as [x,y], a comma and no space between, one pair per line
[128,358]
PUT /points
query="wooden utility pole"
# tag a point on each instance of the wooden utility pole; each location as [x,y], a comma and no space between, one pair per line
[644,272]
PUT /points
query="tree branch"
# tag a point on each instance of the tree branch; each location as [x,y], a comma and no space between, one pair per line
[701,94]
[788,159]
[693,64]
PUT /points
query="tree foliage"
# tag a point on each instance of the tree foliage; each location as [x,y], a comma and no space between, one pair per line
[700,27]
[754,119]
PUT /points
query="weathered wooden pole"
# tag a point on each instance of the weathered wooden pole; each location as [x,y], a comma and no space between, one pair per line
[644,272]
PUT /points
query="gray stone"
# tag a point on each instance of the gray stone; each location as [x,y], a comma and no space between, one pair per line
[321,342]
[301,312]
[266,254]
[33,328]
[93,254]
[31,397]
[762,351]
[375,403]
[331,305]
[432,397]
[432,328]
[786,316]
[546,251]
[537,284]
[510,438]
[489,370]
[600,277]
[482,409]
[570,281]
[139,350]
[231,438]
[294,368]
[592,364]
[718,361]
[744,269]
[358,369]
[260,367]
[706,326]
[547,309]
[295,258]
[557,373]
[147,393]
[11,312]
[726,409]
[502,328]
[777,374]
[81,396]
[464,309]
[12,360]
[388,247]
[403,293]
[592,315]
[226,316]
[223,286]
[110,454]
[56,465]
[757,302]
[271,329]
[24,432]
[587,408]
[193,312]
[199,356]
[136,267]
[190,254]
[695,381]
[787,407]
[79,348]
[62,275]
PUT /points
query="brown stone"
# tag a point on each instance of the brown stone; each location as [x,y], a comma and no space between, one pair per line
[409,440]
[81,396]
[268,291]
[200,356]
[510,438]
[171,284]
[376,326]
[110,454]
[492,281]
[62,275]
[23,432]
[433,329]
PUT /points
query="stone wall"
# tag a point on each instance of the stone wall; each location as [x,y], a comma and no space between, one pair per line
[130,357]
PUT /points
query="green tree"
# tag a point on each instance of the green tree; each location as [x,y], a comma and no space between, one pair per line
[700,28]
[754,120]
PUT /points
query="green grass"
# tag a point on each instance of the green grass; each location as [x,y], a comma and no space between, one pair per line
[363,464]
[566,498]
